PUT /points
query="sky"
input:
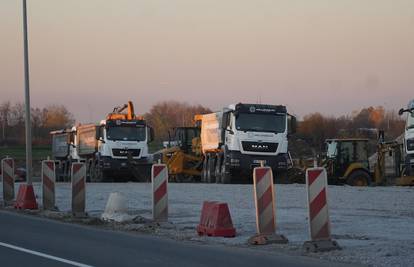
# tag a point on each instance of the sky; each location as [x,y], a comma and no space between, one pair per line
[322,56]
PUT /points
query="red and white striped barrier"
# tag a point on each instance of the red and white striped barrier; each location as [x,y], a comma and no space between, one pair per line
[159,178]
[265,208]
[7,166]
[319,223]
[78,175]
[48,184]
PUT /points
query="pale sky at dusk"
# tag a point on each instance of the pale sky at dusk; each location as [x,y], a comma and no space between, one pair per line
[325,56]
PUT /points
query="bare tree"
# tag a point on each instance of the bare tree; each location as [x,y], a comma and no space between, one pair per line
[4,118]
[168,114]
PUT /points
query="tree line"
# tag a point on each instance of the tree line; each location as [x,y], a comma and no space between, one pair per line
[44,120]
[313,129]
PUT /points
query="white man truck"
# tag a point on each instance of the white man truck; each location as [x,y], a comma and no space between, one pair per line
[409,139]
[241,137]
[114,150]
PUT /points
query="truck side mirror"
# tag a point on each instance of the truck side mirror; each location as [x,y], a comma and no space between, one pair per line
[401,111]
[225,120]
[151,135]
[292,124]
[98,133]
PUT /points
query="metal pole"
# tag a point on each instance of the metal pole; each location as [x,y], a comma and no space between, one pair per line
[27,100]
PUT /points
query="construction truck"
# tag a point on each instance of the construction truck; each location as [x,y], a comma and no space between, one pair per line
[116,149]
[347,161]
[409,138]
[241,137]
[182,154]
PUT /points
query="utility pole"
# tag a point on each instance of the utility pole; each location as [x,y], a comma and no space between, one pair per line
[27,100]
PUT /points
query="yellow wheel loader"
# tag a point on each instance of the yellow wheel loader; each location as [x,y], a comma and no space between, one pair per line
[182,155]
[347,161]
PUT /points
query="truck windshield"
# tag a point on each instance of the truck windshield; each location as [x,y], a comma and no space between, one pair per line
[261,122]
[126,133]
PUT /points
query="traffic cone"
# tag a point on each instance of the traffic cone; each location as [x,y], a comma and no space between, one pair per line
[26,199]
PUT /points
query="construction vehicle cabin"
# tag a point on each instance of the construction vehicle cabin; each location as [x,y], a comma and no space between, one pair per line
[241,137]
[115,149]
[227,145]
[347,161]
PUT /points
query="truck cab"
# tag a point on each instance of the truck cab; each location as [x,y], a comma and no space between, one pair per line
[249,134]
[119,141]
[409,138]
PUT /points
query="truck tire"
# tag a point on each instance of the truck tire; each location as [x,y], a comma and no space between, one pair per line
[219,161]
[204,170]
[359,178]
[96,174]
[226,176]
[211,164]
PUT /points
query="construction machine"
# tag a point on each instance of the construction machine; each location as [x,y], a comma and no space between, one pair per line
[407,169]
[116,149]
[182,154]
[347,161]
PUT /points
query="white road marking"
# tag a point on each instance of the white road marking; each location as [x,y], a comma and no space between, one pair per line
[74,263]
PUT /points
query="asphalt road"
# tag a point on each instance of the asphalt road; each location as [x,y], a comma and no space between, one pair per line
[31,241]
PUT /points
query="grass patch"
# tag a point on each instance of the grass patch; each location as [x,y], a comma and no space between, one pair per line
[19,152]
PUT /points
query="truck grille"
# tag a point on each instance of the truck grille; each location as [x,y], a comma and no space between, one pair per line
[124,152]
[259,147]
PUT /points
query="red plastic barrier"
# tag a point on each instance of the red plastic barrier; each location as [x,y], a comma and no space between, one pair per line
[26,198]
[215,220]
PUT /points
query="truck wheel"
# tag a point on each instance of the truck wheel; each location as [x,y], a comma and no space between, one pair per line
[211,169]
[96,174]
[218,168]
[359,178]
[225,176]
[204,170]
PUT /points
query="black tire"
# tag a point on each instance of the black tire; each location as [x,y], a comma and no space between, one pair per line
[359,178]
[226,177]
[204,170]
[211,169]
[96,174]
[218,168]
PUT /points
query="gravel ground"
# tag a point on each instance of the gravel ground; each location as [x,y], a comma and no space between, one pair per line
[373,225]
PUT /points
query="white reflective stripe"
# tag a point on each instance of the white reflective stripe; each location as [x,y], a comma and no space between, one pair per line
[319,221]
[161,205]
[36,253]
[8,168]
[76,177]
[159,179]
[263,185]
[266,215]
[48,172]
[316,187]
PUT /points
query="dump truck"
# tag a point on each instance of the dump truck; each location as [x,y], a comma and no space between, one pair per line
[409,138]
[116,149]
[241,137]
